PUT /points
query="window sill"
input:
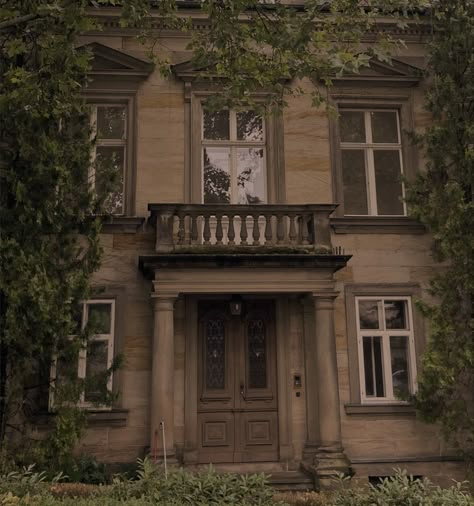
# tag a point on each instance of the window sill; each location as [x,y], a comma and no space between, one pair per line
[377,225]
[380,409]
[122,224]
[95,418]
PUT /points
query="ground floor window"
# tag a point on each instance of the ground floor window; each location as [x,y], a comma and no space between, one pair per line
[94,359]
[386,348]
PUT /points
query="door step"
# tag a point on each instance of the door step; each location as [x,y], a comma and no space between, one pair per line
[278,477]
[291,480]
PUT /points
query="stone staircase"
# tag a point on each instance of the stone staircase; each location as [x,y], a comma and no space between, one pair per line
[279,477]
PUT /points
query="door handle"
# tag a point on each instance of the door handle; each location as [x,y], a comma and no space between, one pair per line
[242,389]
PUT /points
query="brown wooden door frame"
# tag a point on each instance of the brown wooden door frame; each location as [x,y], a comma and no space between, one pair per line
[237,423]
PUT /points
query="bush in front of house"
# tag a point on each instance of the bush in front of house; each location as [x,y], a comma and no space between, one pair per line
[183,488]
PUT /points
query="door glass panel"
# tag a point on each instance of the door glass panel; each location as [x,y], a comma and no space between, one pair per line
[373,369]
[250,176]
[354,181]
[216,175]
[399,363]
[257,354]
[215,354]
[388,182]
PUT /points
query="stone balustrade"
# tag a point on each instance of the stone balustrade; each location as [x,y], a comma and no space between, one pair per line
[191,227]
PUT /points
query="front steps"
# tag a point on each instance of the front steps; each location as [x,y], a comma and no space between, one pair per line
[280,477]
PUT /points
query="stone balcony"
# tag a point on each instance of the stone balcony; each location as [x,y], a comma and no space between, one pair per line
[245,229]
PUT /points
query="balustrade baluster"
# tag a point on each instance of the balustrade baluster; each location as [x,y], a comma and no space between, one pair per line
[256,230]
[230,230]
[292,233]
[206,235]
[268,229]
[280,229]
[243,230]
[219,232]
[181,228]
[194,228]
[304,228]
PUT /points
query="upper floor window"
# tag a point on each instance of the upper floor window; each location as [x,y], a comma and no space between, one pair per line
[386,348]
[108,172]
[233,145]
[371,160]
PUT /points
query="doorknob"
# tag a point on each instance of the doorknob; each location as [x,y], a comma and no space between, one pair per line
[242,389]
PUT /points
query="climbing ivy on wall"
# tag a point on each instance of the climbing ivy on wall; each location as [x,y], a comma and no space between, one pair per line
[443,199]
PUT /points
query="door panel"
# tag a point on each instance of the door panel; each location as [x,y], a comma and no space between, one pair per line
[237,405]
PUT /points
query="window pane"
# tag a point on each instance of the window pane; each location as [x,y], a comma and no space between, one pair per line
[216,125]
[368,314]
[396,314]
[110,122]
[249,126]
[388,182]
[216,175]
[384,126]
[373,368]
[215,354]
[399,363]
[109,178]
[250,176]
[100,318]
[257,356]
[352,126]
[354,181]
[96,371]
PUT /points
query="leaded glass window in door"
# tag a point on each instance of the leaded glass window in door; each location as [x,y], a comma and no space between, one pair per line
[257,354]
[215,354]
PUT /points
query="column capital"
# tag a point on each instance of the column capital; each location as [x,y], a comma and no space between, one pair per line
[163,302]
[323,300]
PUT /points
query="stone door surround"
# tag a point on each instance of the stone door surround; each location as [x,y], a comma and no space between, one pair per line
[323,452]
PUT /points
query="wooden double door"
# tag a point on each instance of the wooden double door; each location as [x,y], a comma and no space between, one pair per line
[237,393]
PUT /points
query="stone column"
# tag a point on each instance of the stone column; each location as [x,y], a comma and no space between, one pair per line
[162,375]
[329,458]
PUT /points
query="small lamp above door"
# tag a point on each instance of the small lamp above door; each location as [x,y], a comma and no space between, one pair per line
[236,305]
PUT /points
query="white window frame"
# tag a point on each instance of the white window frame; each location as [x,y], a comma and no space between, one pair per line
[368,147]
[110,143]
[233,144]
[82,359]
[386,360]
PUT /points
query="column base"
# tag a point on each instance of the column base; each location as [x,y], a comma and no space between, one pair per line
[326,465]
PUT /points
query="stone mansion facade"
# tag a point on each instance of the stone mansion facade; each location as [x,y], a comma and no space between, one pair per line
[260,272]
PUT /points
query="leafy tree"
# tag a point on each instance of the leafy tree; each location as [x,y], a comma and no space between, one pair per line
[49,246]
[442,198]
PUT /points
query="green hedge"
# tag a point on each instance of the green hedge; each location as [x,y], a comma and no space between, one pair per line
[182,488]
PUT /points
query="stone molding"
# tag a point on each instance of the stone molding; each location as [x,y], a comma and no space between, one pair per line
[377,225]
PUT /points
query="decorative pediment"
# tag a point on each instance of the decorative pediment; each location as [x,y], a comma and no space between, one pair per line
[395,73]
[111,62]
[188,70]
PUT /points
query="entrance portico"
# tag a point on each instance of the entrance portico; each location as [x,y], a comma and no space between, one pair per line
[216,278]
